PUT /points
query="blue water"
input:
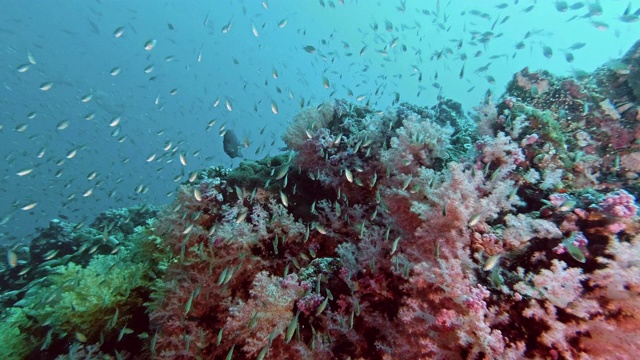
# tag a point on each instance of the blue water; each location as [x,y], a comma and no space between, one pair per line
[73,45]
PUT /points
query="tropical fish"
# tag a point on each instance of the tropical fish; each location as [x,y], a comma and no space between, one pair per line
[595,9]
[118,32]
[569,57]
[231,144]
[23,68]
[577,6]
[12,258]
[149,44]
[577,46]
[562,6]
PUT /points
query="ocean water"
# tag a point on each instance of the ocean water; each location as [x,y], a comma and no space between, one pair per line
[210,52]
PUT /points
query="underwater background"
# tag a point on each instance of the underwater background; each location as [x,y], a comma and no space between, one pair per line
[74,47]
[321,179]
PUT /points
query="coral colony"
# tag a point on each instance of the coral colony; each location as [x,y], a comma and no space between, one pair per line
[409,233]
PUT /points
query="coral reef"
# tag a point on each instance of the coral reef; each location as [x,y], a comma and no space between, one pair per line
[86,301]
[411,233]
[406,233]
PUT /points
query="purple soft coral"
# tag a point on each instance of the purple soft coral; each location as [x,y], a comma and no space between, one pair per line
[620,204]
